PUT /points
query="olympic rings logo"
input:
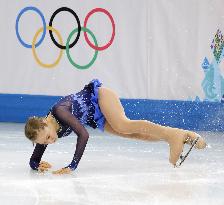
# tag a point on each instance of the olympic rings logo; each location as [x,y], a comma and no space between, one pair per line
[59,44]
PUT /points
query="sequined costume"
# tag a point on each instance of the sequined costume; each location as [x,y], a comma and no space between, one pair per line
[69,112]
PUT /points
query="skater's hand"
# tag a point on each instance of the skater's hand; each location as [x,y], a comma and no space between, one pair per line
[44,166]
[62,171]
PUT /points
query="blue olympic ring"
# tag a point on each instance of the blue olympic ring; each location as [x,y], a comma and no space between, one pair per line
[17,26]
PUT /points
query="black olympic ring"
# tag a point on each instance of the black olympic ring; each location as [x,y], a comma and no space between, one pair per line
[79,27]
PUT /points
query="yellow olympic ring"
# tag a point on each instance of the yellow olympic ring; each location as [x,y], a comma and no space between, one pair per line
[34,51]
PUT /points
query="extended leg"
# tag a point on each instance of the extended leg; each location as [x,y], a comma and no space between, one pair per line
[113,111]
[139,136]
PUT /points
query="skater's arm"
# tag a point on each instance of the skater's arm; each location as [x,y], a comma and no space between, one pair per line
[37,155]
[65,116]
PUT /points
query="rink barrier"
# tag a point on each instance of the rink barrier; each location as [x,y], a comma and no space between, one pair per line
[203,116]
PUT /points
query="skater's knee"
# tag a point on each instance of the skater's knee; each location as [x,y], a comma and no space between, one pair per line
[121,127]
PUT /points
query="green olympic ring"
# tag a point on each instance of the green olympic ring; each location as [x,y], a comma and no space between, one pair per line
[67,48]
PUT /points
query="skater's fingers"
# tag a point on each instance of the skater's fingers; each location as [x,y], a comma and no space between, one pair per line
[48,164]
[42,169]
[66,171]
[58,172]
[62,171]
[45,164]
[42,162]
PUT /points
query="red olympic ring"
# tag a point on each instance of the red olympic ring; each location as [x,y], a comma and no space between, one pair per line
[99,48]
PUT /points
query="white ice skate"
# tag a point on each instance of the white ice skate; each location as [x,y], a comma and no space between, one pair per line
[184,156]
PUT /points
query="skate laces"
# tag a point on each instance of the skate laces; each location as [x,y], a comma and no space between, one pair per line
[188,140]
[191,141]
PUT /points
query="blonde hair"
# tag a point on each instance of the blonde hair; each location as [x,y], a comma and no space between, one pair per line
[33,125]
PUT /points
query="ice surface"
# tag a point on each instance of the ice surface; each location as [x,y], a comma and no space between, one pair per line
[113,170]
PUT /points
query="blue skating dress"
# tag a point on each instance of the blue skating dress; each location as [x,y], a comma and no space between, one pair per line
[80,107]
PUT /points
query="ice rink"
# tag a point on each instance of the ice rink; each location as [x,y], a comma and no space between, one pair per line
[113,170]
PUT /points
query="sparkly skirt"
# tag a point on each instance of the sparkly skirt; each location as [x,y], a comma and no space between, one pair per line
[98,115]
[86,108]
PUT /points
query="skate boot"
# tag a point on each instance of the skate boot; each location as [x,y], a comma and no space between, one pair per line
[177,142]
[192,136]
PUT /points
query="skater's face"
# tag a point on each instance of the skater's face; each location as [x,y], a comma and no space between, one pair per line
[47,135]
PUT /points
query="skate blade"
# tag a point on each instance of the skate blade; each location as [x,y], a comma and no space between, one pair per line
[183,157]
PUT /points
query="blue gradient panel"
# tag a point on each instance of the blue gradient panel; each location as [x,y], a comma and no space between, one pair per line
[206,116]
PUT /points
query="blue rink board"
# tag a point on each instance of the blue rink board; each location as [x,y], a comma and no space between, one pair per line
[203,116]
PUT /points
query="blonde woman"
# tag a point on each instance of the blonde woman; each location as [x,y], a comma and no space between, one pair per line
[98,107]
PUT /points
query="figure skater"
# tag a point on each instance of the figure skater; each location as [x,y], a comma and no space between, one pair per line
[98,107]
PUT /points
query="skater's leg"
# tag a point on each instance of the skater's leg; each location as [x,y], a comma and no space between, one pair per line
[114,113]
[139,136]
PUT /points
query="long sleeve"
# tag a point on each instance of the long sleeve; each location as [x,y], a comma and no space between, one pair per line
[66,117]
[37,155]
